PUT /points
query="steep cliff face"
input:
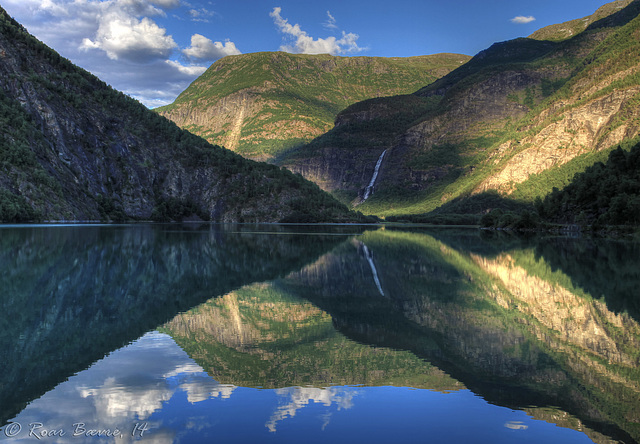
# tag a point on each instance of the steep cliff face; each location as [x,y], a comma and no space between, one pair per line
[261,104]
[515,110]
[73,148]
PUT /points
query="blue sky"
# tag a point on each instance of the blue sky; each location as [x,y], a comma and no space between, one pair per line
[153,49]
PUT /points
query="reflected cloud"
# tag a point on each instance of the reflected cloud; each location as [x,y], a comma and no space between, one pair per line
[204,388]
[114,400]
[124,389]
[300,397]
[516,425]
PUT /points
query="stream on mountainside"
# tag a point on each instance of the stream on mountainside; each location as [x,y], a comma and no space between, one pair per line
[369,189]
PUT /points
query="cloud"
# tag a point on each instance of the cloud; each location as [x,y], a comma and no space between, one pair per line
[203,48]
[200,15]
[119,41]
[126,37]
[166,4]
[522,19]
[331,22]
[305,44]
[301,397]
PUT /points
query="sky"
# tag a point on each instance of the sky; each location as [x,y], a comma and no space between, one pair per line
[153,49]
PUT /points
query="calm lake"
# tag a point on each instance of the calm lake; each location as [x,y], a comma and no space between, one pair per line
[317,334]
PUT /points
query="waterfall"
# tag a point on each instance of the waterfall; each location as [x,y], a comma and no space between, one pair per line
[367,191]
[369,256]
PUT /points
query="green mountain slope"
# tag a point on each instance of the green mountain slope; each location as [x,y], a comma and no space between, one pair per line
[71,148]
[562,31]
[518,110]
[261,104]
[603,194]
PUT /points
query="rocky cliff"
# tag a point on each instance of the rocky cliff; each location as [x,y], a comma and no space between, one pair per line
[71,148]
[262,104]
[516,110]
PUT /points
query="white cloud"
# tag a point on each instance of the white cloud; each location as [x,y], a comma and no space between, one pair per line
[119,41]
[522,19]
[190,70]
[126,37]
[203,48]
[200,15]
[331,21]
[301,397]
[305,44]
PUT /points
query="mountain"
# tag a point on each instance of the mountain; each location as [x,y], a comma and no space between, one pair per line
[520,118]
[262,104]
[72,148]
[562,31]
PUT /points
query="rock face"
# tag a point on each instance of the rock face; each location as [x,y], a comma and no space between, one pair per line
[261,104]
[73,148]
[517,109]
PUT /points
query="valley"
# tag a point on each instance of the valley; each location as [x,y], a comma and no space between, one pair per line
[517,119]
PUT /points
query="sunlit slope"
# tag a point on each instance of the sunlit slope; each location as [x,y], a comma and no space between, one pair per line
[261,104]
[517,110]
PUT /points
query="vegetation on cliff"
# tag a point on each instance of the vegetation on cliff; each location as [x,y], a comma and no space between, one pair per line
[604,194]
[520,118]
[262,104]
[72,148]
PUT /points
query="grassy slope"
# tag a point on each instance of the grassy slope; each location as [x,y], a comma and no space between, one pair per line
[309,89]
[589,66]
[562,31]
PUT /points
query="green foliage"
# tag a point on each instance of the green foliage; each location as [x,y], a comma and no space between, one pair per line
[14,208]
[15,131]
[438,156]
[541,184]
[604,194]
[174,209]
[309,90]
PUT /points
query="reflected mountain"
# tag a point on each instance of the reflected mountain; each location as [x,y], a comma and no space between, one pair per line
[506,325]
[498,318]
[69,295]
[607,270]
[262,336]
[311,313]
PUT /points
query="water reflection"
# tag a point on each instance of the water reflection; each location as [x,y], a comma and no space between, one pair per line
[69,295]
[390,335]
[296,398]
[124,389]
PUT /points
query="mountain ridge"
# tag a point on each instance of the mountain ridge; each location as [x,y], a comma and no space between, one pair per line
[72,148]
[516,110]
[262,104]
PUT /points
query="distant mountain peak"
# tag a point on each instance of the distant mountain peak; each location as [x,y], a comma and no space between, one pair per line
[571,28]
[262,104]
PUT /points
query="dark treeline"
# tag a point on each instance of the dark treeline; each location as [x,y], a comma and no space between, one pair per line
[604,194]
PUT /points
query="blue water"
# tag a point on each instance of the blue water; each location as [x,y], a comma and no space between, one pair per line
[152,390]
[282,334]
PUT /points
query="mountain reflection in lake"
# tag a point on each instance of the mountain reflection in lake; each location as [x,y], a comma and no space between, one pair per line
[322,334]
